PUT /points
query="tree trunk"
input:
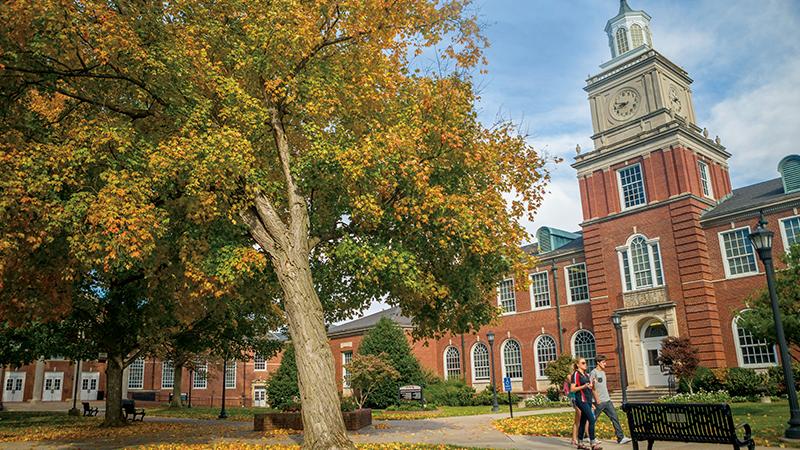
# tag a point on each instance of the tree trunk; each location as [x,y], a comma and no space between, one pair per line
[176,386]
[114,367]
[323,426]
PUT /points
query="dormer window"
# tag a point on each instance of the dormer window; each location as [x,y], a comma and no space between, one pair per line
[637,35]
[622,41]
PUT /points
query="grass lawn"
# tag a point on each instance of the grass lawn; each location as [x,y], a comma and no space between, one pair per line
[203,412]
[446,411]
[768,421]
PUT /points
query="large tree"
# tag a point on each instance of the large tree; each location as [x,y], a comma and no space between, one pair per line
[314,124]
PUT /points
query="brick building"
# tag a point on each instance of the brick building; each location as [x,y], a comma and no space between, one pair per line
[663,244]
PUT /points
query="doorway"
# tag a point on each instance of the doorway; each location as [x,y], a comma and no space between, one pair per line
[14,387]
[52,386]
[652,335]
[260,397]
[89,383]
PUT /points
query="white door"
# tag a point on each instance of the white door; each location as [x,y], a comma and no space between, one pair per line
[260,397]
[14,387]
[52,386]
[652,335]
[89,382]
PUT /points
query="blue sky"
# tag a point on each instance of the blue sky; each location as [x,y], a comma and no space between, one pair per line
[744,57]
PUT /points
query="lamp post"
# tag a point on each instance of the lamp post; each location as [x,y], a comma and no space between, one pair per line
[191,384]
[223,414]
[616,319]
[74,411]
[490,338]
[762,242]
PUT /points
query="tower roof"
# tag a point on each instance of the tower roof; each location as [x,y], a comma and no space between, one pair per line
[624,7]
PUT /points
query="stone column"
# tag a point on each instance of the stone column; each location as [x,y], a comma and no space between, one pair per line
[38,381]
[125,376]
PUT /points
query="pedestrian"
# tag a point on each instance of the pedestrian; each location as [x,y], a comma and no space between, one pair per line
[571,397]
[581,386]
[603,400]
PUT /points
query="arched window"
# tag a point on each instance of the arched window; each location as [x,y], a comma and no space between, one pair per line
[752,352]
[637,35]
[512,359]
[622,41]
[656,329]
[545,353]
[480,362]
[640,263]
[583,346]
[452,363]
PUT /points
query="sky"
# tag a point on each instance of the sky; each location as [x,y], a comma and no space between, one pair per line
[743,55]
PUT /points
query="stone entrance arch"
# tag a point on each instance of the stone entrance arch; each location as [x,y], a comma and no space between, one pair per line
[652,334]
[637,342]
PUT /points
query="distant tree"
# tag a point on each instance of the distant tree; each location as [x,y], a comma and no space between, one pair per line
[558,370]
[680,355]
[758,318]
[388,339]
[283,391]
[368,373]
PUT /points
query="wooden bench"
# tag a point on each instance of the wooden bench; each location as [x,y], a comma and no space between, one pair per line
[130,411]
[88,410]
[691,422]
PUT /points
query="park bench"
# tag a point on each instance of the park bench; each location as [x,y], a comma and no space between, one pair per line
[88,410]
[690,422]
[130,410]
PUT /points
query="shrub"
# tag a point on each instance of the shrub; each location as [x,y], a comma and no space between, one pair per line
[697,397]
[558,371]
[679,354]
[485,397]
[282,390]
[450,393]
[348,404]
[777,383]
[744,382]
[554,394]
[368,373]
[704,380]
[537,400]
[386,337]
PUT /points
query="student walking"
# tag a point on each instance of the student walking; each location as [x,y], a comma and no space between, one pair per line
[603,400]
[581,386]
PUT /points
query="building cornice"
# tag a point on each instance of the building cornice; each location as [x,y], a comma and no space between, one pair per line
[654,205]
[753,211]
[627,66]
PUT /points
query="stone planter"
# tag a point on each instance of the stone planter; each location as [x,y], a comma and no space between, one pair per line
[353,420]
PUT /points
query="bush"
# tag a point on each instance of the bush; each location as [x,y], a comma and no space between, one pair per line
[450,393]
[485,397]
[348,404]
[367,374]
[744,382]
[776,382]
[554,394]
[558,371]
[282,390]
[386,337]
[697,397]
[704,380]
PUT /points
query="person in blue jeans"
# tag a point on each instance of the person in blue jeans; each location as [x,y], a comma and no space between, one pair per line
[581,386]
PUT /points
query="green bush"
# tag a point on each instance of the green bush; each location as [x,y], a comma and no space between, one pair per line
[348,404]
[554,394]
[450,393]
[776,382]
[744,382]
[282,390]
[485,397]
[698,397]
[386,337]
[558,370]
[704,380]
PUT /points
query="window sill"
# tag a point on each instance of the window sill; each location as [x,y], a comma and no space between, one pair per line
[582,302]
[741,275]
[758,366]
[509,313]
[542,308]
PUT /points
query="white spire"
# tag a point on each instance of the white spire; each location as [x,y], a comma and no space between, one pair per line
[628,31]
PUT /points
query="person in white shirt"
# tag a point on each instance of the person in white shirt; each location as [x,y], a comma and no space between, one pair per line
[603,400]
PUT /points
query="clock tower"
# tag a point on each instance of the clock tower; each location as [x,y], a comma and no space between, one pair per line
[651,174]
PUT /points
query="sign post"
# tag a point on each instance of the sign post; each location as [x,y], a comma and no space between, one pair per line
[507,388]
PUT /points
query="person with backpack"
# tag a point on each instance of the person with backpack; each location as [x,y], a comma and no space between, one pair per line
[581,388]
[571,398]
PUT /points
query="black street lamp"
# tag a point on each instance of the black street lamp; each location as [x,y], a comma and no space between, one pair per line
[490,338]
[616,319]
[191,384]
[74,411]
[762,241]
[223,414]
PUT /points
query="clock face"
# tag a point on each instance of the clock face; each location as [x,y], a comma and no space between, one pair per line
[624,104]
[674,99]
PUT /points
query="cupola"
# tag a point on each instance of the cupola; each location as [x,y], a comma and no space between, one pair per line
[789,168]
[628,31]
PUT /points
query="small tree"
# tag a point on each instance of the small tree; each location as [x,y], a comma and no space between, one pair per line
[390,340]
[558,370]
[367,373]
[679,354]
[283,391]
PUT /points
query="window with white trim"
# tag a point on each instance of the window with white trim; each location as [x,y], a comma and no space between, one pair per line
[640,263]
[631,186]
[259,363]
[200,378]
[622,41]
[136,374]
[512,359]
[637,35]
[790,229]
[346,358]
[480,362]
[577,283]
[752,352]
[584,346]
[506,297]
[545,354]
[452,363]
[540,290]
[705,179]
[230,375]
[167,375]
[738,255]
